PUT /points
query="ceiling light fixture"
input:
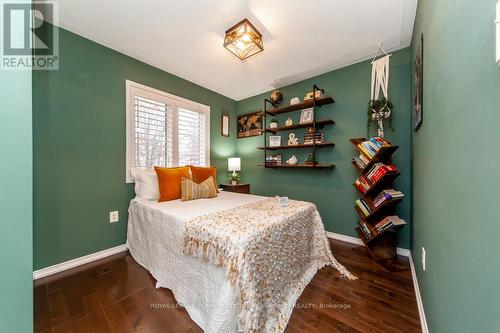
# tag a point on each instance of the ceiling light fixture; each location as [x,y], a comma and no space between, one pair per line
[243,40]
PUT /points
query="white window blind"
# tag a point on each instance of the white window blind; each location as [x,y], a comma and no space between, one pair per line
[165,130]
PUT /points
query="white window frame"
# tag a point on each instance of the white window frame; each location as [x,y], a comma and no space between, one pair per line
[161,96]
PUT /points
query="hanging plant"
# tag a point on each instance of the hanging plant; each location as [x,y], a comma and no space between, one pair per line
[378,110]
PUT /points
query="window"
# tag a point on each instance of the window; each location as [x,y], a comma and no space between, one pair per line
[165,130]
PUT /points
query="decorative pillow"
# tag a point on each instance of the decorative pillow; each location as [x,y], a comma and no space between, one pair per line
[146,184]
[190,190]
[169,182]
[201,174]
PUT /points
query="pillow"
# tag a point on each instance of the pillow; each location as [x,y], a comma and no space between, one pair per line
[146,184]
[201,174]
[190,190]
[169,182]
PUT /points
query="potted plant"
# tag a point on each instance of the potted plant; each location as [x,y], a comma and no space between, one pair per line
[273,123]
[309,159]
[378,110]
[234,178]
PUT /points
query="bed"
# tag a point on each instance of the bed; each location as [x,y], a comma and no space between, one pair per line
[156,240]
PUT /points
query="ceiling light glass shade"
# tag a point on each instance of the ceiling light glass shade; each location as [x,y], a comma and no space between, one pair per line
[243,40]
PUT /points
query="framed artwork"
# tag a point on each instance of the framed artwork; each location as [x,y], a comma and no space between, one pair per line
[224,126]
[274,141]
[418,98]
[250,124]
[307,115]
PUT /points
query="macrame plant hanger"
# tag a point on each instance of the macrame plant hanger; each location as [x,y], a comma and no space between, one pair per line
[380,81]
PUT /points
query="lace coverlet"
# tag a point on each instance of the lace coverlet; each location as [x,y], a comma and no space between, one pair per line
[270,254]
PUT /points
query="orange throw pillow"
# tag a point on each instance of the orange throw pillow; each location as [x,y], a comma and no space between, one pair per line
[169,182]
[200,174]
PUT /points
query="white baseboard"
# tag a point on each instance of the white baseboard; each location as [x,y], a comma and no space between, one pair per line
[357,241]
[77,262]
[401,252]
[420,304]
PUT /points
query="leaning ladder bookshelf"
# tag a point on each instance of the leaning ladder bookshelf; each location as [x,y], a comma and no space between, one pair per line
[381,245]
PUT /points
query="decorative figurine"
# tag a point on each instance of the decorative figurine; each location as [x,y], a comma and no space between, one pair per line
[289,122]
[292,139]
[292,160]
[276,97]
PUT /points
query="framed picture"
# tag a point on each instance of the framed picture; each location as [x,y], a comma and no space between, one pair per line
[418,98]
[274,140]
[307,115]
[250,124]
[224,126]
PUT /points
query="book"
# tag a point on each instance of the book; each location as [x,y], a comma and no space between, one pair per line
[389,222]
[386,195]
[366,231]
[362,184]
[362,207]
[379,170]
[364,159]
[381,141]
[359,163]
[372,146]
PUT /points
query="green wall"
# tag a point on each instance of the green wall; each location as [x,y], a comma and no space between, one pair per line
[79,146]
[456,165]
[331,190]
[16,224]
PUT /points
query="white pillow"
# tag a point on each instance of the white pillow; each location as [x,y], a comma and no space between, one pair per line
[146,184]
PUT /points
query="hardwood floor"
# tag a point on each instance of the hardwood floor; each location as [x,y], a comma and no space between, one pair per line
[115,295]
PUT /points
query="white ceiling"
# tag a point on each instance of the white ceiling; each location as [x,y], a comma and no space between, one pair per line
[301,38]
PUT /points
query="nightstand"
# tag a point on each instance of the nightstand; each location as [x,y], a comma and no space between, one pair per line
[238,188]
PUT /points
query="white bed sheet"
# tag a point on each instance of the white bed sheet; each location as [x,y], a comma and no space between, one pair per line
[155,239]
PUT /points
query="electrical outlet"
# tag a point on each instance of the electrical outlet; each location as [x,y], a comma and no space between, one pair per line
[423,258]
[113,216]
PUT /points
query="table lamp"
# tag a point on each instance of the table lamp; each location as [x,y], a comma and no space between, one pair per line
[234,164]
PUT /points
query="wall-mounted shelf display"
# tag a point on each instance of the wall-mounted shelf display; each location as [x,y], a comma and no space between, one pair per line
[377,203]
[314,102]
[300,166]
[319,124]
[314,138]
[308,145]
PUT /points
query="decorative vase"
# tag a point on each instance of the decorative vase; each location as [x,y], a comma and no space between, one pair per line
[273,123]
[234,182]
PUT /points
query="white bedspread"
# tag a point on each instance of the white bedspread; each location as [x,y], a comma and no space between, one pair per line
[155,240]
